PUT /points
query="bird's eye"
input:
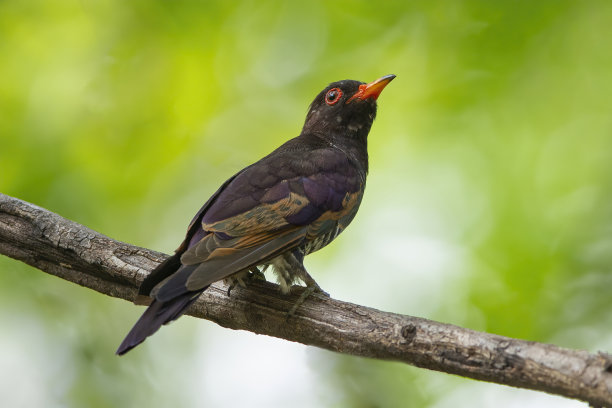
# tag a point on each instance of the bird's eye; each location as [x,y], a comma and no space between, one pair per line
[333,96]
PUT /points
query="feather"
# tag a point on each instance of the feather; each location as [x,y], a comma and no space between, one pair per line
[156,315]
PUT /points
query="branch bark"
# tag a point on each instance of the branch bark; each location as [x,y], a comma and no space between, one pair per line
[78,254]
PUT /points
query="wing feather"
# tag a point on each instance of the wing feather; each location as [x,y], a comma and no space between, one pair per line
[198,275]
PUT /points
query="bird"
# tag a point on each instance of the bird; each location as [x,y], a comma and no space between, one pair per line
[292,202]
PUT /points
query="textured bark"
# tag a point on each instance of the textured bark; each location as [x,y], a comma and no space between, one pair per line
[78,254]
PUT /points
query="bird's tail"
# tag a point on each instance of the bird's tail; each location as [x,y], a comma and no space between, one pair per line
[157,275]
[156,315]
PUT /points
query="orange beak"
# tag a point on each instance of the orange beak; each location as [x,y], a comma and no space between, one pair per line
[373,89]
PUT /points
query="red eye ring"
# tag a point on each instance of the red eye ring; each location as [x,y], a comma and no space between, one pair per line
[333,96]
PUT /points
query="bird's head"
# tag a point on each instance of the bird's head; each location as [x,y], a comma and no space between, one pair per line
[345,109]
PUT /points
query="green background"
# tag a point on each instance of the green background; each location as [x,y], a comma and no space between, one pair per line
[489,200]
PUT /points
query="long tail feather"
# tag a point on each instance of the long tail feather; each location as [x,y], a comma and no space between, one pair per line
[156,315]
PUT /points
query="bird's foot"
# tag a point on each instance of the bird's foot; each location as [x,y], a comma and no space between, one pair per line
[243,278]
[317,289]
[289,268]
[256,274]
[232,284]
[311,283]
[312,287]
[307,292]
[240,278]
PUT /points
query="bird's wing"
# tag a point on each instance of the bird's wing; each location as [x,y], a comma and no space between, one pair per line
[267,209]
[170,265]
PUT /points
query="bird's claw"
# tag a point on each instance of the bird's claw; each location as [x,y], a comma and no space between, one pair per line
[317,289]
[243,278]
[256,274]
[305,294]
[322,292]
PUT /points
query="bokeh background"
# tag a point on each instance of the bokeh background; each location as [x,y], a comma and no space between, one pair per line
[489,200]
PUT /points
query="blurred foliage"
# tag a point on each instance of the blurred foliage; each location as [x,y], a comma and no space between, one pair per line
[488,203]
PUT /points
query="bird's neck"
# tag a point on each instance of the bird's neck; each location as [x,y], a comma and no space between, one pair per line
[354,144]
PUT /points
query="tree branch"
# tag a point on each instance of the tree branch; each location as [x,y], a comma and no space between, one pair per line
[78,254]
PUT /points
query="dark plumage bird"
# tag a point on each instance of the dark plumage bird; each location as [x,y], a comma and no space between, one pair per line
[292,202]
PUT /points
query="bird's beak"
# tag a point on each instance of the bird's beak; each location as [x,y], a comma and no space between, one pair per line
[373,89]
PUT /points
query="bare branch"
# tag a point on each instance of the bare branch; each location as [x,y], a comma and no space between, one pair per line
[73,252]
